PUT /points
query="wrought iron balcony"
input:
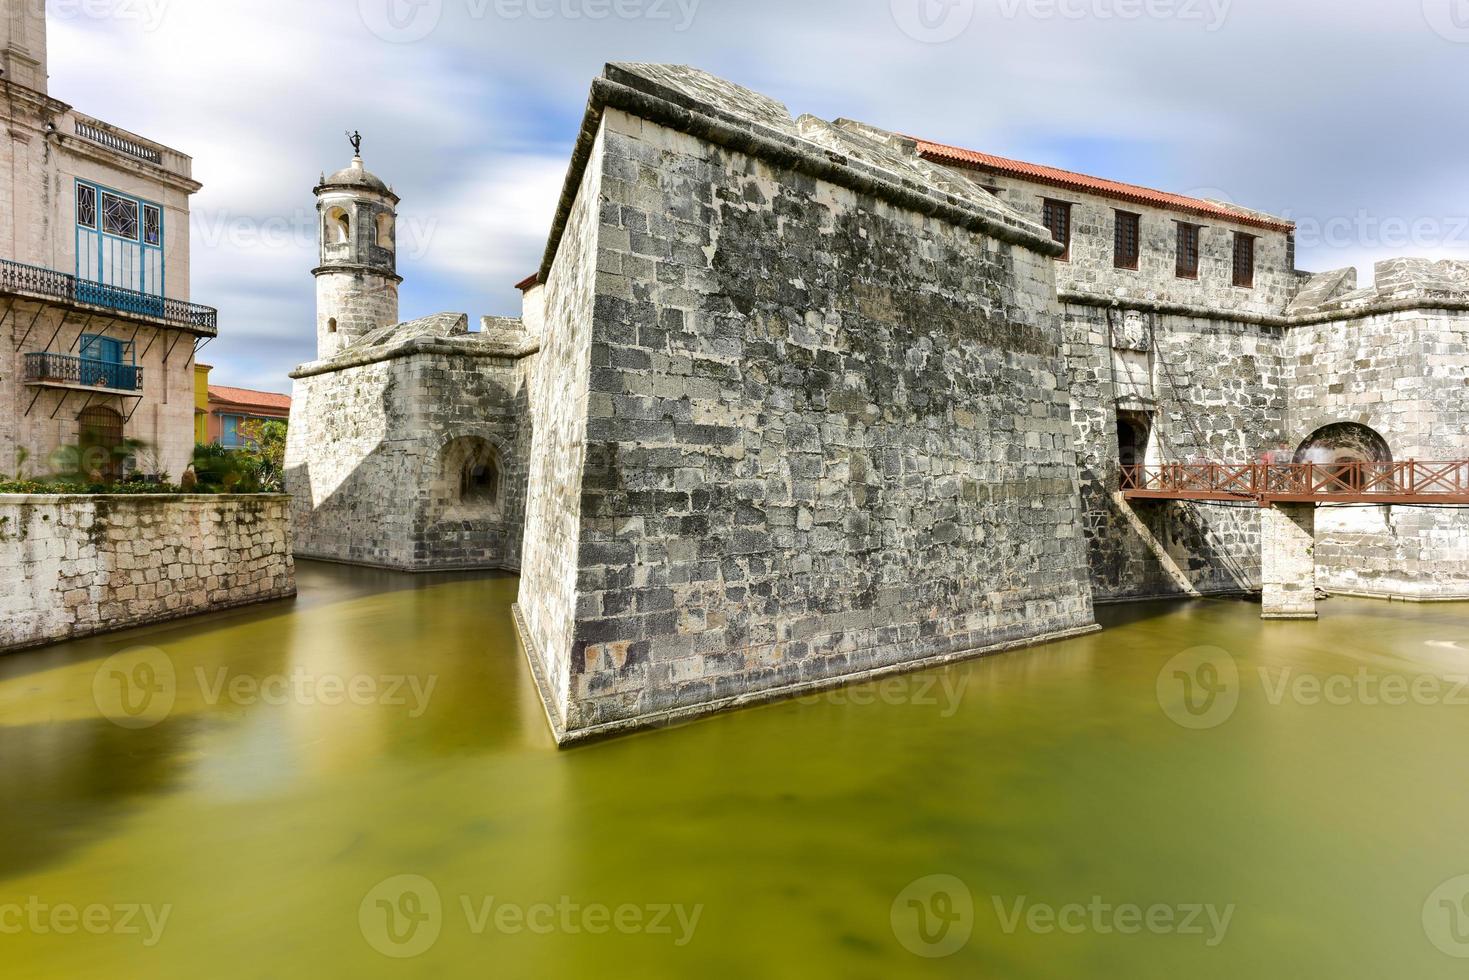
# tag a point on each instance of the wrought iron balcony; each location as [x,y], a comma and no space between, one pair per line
[30,280]
[67,371]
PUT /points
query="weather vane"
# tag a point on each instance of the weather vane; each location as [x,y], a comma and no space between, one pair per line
[356,140]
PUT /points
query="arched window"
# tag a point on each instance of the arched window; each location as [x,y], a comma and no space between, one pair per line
[338,230]
[383,230]
[469,476]
[331,325]
[1348,452]
[99,437]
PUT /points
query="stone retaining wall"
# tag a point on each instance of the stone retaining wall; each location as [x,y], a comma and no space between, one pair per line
[77,565]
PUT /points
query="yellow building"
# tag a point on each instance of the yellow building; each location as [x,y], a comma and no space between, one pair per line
[201,403]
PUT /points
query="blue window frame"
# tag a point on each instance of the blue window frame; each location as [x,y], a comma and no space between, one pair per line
[108,362]
[119,245]
[229,431]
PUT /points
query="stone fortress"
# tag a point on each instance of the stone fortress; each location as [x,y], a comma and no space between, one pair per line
[794,402]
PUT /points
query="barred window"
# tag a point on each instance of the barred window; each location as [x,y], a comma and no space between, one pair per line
[1057,219]
[1127,245]
[119,216]
[1244,260]
[1188,250]
[86,205]
[152,225]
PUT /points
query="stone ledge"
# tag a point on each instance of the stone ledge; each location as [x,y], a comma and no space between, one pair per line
[664,719]
[152,498]
[169,616]
[1410,305]
[352,359]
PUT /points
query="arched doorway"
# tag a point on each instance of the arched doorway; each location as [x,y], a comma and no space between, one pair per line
[99,439]
[1347,451]
[1134,429]
[469,477]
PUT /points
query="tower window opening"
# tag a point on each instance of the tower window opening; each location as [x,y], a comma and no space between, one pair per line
[338,227]
[331,325]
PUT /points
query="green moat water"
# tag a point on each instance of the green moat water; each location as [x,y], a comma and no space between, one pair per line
[262,812]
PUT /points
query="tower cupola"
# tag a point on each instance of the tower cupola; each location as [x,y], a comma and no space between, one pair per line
[357,280]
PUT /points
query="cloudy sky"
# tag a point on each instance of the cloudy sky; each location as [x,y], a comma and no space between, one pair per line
[1346,115]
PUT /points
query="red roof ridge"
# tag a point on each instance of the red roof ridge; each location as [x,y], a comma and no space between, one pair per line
[1136,193]
[249,396]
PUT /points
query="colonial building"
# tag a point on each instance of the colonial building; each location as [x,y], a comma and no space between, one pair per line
[97,334]
[795,402]
[232,412]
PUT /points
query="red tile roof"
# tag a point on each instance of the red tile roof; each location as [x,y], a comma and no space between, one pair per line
[245,397]
[941,153]
[534,279]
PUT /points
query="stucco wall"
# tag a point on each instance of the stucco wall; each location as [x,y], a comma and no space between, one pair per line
[73,566]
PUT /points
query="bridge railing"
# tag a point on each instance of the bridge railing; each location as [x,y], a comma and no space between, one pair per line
[1352,480]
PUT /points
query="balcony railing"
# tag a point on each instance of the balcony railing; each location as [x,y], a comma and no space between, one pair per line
[35,281]
[84,372]
[118,142]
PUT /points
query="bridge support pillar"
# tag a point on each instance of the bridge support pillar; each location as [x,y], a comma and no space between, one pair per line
[1288,561]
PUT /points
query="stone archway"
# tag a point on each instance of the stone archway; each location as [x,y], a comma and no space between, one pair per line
[1342,444]
[469,478]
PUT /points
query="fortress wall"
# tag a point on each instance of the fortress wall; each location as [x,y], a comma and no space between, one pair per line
[368,471]
[1404,375]
[1211,390]
[550,579]
[824,437]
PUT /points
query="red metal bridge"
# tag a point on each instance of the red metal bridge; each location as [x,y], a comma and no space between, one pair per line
[1410,482]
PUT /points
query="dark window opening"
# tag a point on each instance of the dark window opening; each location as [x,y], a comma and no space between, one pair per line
[1244,260]
[1133,431]
[1128,240]
[331,325]
[1188,251]
[1057,218]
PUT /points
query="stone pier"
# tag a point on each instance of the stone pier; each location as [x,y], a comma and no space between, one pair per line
[1288,561]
